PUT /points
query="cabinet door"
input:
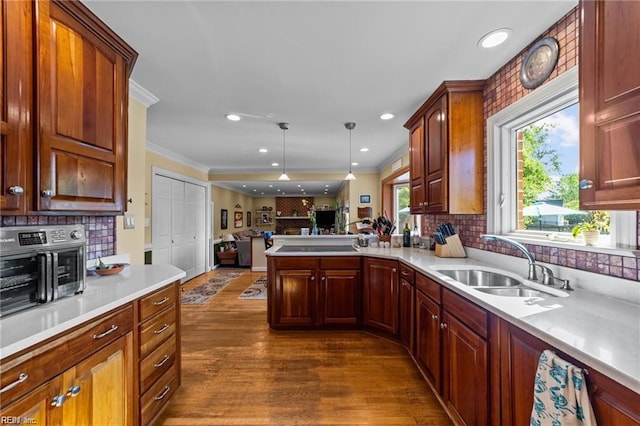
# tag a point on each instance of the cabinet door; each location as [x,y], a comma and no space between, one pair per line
[99,390]
[295,298]
[407,305]
[610,105]
[340,297]
[436,155]
[466,369]
[33,408]
[519,354]
[82,103]
[416,167]
[16,107]
[381,295]
[428,344]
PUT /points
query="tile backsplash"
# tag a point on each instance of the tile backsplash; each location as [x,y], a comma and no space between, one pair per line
[502,89]
[101,230]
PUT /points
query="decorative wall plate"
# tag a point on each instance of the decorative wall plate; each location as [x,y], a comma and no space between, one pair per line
[539,62]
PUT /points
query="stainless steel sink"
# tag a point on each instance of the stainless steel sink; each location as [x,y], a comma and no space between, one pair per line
[317,249]
[480,278]
[513,292]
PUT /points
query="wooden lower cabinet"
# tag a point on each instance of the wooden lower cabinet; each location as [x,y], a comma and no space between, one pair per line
[381,295]
[428,347]
[407,314]
[613,404]
[314,292]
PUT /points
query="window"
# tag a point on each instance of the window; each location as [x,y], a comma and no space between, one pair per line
[532,168]
[401,205]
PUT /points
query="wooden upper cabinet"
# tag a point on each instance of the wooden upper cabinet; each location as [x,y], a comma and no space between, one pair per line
[416,166]
[452,178]
[610,105]
[82,93]
[16,106]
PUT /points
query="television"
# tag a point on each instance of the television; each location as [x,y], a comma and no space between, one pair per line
[325,219]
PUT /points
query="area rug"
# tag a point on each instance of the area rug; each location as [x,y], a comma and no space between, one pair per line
[200,294]
[257,290]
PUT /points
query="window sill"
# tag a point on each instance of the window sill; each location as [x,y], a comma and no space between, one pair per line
[571,244]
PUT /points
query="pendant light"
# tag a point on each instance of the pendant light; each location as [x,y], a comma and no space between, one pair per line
[284,127]
[350,126]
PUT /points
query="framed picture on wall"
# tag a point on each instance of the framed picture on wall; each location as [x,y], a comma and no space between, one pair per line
[248,219]
[365,199]
[237,220]
[224,218]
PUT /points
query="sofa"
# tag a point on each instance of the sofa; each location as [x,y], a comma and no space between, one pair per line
[243,245]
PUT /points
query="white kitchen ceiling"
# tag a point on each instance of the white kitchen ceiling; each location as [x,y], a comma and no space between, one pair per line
[313,64]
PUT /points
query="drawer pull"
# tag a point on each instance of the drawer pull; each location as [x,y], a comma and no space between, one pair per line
[162,329]
[161,301]
[21,378]
[109,331]
[161,363]
[162,394]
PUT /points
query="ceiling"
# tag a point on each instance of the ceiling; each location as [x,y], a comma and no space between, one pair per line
[313,64]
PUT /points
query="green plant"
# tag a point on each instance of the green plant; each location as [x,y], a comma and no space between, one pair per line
[597,220]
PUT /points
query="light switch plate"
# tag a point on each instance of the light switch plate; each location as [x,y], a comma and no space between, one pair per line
[129,221]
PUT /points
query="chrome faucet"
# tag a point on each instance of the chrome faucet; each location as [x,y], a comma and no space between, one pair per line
[532,262]
[547,274]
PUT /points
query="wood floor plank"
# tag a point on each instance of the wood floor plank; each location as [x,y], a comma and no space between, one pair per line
[235,371]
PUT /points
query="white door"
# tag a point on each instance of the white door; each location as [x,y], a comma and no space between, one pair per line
[195,206]
[161,220]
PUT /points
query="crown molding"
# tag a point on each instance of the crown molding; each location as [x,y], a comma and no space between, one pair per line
[395,156]
[141,94]
[164,152]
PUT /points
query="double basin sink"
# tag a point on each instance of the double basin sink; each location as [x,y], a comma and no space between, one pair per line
[495,283]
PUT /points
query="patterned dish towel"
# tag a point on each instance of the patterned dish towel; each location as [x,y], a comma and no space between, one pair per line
[560,394]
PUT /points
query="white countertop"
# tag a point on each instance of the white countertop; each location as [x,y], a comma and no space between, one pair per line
[23,329]
[601,331]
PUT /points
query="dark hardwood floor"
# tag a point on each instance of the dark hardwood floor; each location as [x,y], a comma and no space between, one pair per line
[235,371]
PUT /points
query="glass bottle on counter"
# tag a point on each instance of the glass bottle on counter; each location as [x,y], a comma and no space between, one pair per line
[415,236]
[406,236]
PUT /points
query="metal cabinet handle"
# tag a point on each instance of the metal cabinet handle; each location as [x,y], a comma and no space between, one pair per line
[394,270]
[73,391]
[47,193]
[405,273]
[434,317]
[162,362]
[161,329]
[161,301]
[21,378]
[324,278]
[109,331]
[313,278]
[585,184]
[58,400]
[16,190]
[162,394]
[443,326]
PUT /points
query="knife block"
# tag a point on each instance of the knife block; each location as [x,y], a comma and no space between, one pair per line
[453,248]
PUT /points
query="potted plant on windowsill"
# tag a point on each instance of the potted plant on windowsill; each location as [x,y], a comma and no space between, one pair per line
[597,222]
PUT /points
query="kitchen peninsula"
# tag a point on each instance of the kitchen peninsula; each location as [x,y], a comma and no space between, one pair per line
[400,294]
[112,351]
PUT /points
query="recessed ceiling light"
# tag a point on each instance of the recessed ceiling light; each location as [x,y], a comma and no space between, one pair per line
[299,186]
[365,149]
[278,189]
[354,163]
[233,117]
[494,38]
[270,186]
[255,190]
[386,116]
[263,150]
[326,186]
[275,164]
[262,193]
[244,186]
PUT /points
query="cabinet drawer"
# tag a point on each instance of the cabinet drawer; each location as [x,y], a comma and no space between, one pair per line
[347,262]
[296,262]
[42,362]
[158,395]
[156,331]
[470,314]
[407,273]
[157,363]
[156,302]
[429,287]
